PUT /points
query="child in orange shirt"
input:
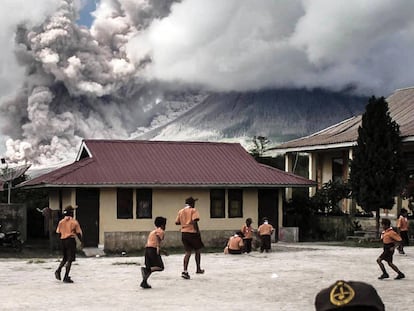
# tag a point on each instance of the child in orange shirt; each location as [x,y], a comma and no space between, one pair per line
[247,231]
[402,225]
[265,231]
[389,237]
[235,244]
[188,218]
[153,260]
[68,228]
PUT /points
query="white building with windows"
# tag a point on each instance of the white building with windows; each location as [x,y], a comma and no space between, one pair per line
[329,151]
[120,186]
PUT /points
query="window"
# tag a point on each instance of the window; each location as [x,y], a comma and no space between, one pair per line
[337,169]
[124,203]
[409,160]
[144,203]
[217,203]
[235,203]
[338,177]
[409,187]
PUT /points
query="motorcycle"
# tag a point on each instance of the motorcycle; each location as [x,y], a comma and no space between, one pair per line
[11,239]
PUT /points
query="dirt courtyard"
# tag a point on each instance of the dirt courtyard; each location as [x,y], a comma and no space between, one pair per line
[288,278]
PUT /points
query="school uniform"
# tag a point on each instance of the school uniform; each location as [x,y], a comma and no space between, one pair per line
[235,245]
[389,237]
[68,228]
[402,225]
[190,236]
[248,238]
[265,231]
[152,255]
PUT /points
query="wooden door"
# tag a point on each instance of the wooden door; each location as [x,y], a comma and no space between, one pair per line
[268,207]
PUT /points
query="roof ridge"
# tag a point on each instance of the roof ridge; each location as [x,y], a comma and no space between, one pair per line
[316,133]
[97,140]
[404,89]
[291,174]
[63,171]
[155,164]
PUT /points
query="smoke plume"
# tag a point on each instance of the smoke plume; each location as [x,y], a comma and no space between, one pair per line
[61,82]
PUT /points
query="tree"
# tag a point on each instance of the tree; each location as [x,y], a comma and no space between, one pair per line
[260,146]
[377,169]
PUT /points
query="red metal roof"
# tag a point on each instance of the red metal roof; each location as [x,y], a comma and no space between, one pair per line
[401,107]
[165,164]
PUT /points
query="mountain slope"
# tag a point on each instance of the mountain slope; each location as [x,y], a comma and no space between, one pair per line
[280,115]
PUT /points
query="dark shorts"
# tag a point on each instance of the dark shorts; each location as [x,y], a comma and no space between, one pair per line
[405,238]
[152,259]
[388,252]
[191,241]
[69,249]
[235,251]
[266,242]
[247,245]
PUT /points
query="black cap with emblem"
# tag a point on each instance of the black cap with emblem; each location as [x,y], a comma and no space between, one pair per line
[350,296]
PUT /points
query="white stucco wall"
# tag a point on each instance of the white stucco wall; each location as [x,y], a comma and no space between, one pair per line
[68,198]
[326,164]
[167,203]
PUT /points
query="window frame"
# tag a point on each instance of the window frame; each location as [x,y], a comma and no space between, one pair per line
[338,167]
[217,203]
[235,196]
[124,203]
[143,196]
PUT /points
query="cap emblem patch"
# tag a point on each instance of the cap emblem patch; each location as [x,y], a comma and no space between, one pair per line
[341,294]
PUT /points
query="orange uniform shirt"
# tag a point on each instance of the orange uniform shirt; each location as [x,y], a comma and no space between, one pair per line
[247,232]
[402,223]
[68,227]
[265,229]
[235,243]
[390,236]
[155,237]
[186,218]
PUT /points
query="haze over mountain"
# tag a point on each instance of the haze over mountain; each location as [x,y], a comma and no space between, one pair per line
[279,115]
[191,69]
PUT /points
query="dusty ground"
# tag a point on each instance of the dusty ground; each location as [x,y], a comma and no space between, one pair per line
[286,279]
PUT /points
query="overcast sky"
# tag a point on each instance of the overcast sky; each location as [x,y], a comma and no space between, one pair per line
[364,45]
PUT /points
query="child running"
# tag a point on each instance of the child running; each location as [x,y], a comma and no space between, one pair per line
[153,260]
[188,218]
[68,228]
[389,238]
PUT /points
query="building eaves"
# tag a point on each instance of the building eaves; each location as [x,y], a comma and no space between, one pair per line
[345,133]
[165,164]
